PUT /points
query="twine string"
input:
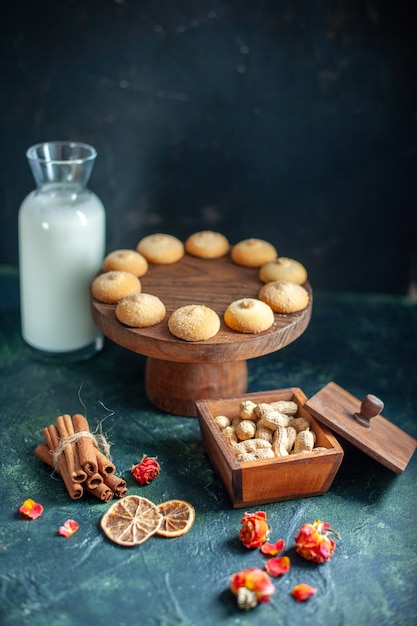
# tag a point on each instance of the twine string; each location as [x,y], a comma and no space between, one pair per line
[98,439]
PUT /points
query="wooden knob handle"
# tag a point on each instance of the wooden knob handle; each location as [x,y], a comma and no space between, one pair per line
[371,407]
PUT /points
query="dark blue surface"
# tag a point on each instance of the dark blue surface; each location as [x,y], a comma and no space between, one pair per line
[367,343]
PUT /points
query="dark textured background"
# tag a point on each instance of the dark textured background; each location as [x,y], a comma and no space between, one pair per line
[294,121]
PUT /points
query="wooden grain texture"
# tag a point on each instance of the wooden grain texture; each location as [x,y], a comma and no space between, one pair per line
[383,440]
[174,387]
[271,480]
[214,283]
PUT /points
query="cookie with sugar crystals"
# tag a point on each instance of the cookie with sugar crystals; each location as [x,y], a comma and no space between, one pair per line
[253,252]
[125,261]
[194,322]
[284,296]
[161,248]
[207,244]
[111,287]
[283,268]
[140,310]
[249,315]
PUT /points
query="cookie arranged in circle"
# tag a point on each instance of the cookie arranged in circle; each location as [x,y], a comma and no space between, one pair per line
[111,287]
[253,252]
[207,244]
[194,322]
[125,261]
[283,268]
[140,310]
[284,296]
[249,315]
[161,248]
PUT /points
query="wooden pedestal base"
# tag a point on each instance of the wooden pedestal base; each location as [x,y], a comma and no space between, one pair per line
[174,387]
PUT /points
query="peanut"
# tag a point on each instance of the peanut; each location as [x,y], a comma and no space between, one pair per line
[300,423]
[230,435]
[251,445]
[280,442]
[247,410]
[222,421]
[245,430]
[291,435]
[264,433]
[263,453]
[304,441]
[285,406]
[274,419]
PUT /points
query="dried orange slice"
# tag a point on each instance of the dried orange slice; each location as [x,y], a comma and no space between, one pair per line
[131,521]
[177,518]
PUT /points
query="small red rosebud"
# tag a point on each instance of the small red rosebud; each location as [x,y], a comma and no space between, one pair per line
[251,586]
[313,543]
[147,470]
[255,530]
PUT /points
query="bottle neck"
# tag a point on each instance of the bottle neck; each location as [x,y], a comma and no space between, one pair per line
[61,189]
[61,167]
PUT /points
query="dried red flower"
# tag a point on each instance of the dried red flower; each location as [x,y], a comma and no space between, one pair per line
[255,530]
[303,592]
[277,566]
[272,549]
[313,543]
[31,509]
[147,470]
[68,528]
[251,586]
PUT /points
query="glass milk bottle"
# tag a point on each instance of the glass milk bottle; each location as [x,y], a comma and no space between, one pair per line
[61,247]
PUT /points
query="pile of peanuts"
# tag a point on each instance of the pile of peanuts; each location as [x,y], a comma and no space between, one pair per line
[267,431]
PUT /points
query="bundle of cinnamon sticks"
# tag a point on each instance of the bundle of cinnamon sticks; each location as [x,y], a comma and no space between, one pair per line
[73,451]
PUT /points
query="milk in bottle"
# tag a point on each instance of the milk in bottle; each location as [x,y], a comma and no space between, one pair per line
[61,247]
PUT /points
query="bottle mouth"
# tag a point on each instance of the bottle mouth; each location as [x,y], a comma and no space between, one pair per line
[61,162]
[60,152]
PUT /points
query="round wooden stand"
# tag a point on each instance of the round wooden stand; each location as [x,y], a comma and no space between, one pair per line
[179,372]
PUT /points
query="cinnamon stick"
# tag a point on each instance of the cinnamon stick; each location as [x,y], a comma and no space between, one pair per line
[65,429]
[116,484]
[74,489]
[85,445]
[102,492]
[43,453]
[94,480]
[104,465]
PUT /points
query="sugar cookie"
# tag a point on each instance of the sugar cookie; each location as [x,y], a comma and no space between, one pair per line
[111,287]
[140,310]
[194,322]
[253,252]
[249,315]
[161,248]
[283,268]
[125,261]
[284,296]
[207,244]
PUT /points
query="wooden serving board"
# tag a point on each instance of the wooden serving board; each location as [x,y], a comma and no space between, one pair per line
[180,372]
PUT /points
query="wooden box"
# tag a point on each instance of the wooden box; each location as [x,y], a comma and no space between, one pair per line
[268,480]
[298,476]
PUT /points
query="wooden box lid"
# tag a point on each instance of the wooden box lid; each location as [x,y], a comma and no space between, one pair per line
[361,423]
